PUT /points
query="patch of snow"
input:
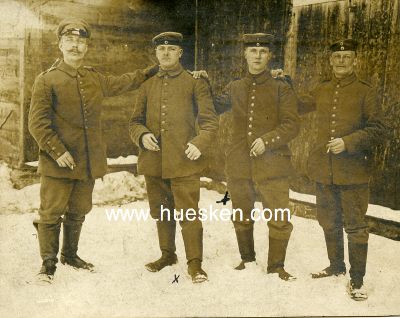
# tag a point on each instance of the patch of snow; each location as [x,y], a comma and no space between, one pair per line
[131,159]
[121,287]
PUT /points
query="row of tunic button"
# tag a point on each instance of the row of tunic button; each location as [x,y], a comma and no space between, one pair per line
[251,115]
[84,103]
[333,115]
[251,111]
[163,107]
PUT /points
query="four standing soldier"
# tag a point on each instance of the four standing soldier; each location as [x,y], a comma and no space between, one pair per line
[65,120]
[264,111]
[349,124]
[172,152]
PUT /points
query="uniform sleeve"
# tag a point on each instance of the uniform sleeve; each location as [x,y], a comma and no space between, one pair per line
[207,117]
[40,118]
[116,85]
[222,102]
[374,128]
[137,122]
[289,122]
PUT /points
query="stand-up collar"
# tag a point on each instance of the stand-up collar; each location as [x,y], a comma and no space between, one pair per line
[259,78]
[70,70]
[174,72]
[344,81]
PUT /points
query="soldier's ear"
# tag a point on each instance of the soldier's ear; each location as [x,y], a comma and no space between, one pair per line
[180,52]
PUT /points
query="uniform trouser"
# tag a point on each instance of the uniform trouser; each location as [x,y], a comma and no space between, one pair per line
[274,194]
[345,206]
[58,197]
[181,194]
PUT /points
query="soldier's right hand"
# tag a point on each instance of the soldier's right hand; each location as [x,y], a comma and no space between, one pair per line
[199,74]
[150,142]
[66,160]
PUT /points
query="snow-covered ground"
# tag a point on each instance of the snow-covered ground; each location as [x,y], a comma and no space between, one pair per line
[122,287]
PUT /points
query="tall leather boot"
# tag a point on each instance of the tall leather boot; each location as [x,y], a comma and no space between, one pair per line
[358,260]
[166,238]
[245,240]
[71,233]
[192,233]
[48,236]
[335,250]
[276,258]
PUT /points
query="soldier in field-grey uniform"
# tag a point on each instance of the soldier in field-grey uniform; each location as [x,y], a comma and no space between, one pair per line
[349,125]
[172,152]
[65,120]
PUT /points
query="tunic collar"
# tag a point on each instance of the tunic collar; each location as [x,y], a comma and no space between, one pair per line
[172,73]
[259,78]
[70,70]
[344,81]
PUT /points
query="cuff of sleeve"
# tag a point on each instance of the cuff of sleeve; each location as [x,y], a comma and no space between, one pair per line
[55,150]
[271,140]
[349,144]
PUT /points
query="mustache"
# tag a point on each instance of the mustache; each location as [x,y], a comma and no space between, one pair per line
[74,51]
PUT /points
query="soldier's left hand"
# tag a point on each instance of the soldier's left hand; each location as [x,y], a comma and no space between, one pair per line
[198,74]
[192,152]
[336,146]
[257,148]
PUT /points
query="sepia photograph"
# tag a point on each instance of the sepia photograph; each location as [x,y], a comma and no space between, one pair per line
[199,158]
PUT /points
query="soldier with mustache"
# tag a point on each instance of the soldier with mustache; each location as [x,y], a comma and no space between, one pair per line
[65,120]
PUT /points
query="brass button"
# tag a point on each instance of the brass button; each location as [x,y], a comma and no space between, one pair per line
[254,84]
[165,84]
[332,138]
[266,142]
[333,122]
[336,92]
[249,133]
[334,107]
[53,148]
[335,100]
[337,85]
[333,130]
[252,97]
[277,137]
[250,126]
[333,115]
[162,130]
[163,122]
[250,118]
[163,106]
[252,104]
[251,111]
[273,140]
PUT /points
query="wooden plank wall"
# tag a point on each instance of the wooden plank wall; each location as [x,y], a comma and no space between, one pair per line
[376,25]
[121,42]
